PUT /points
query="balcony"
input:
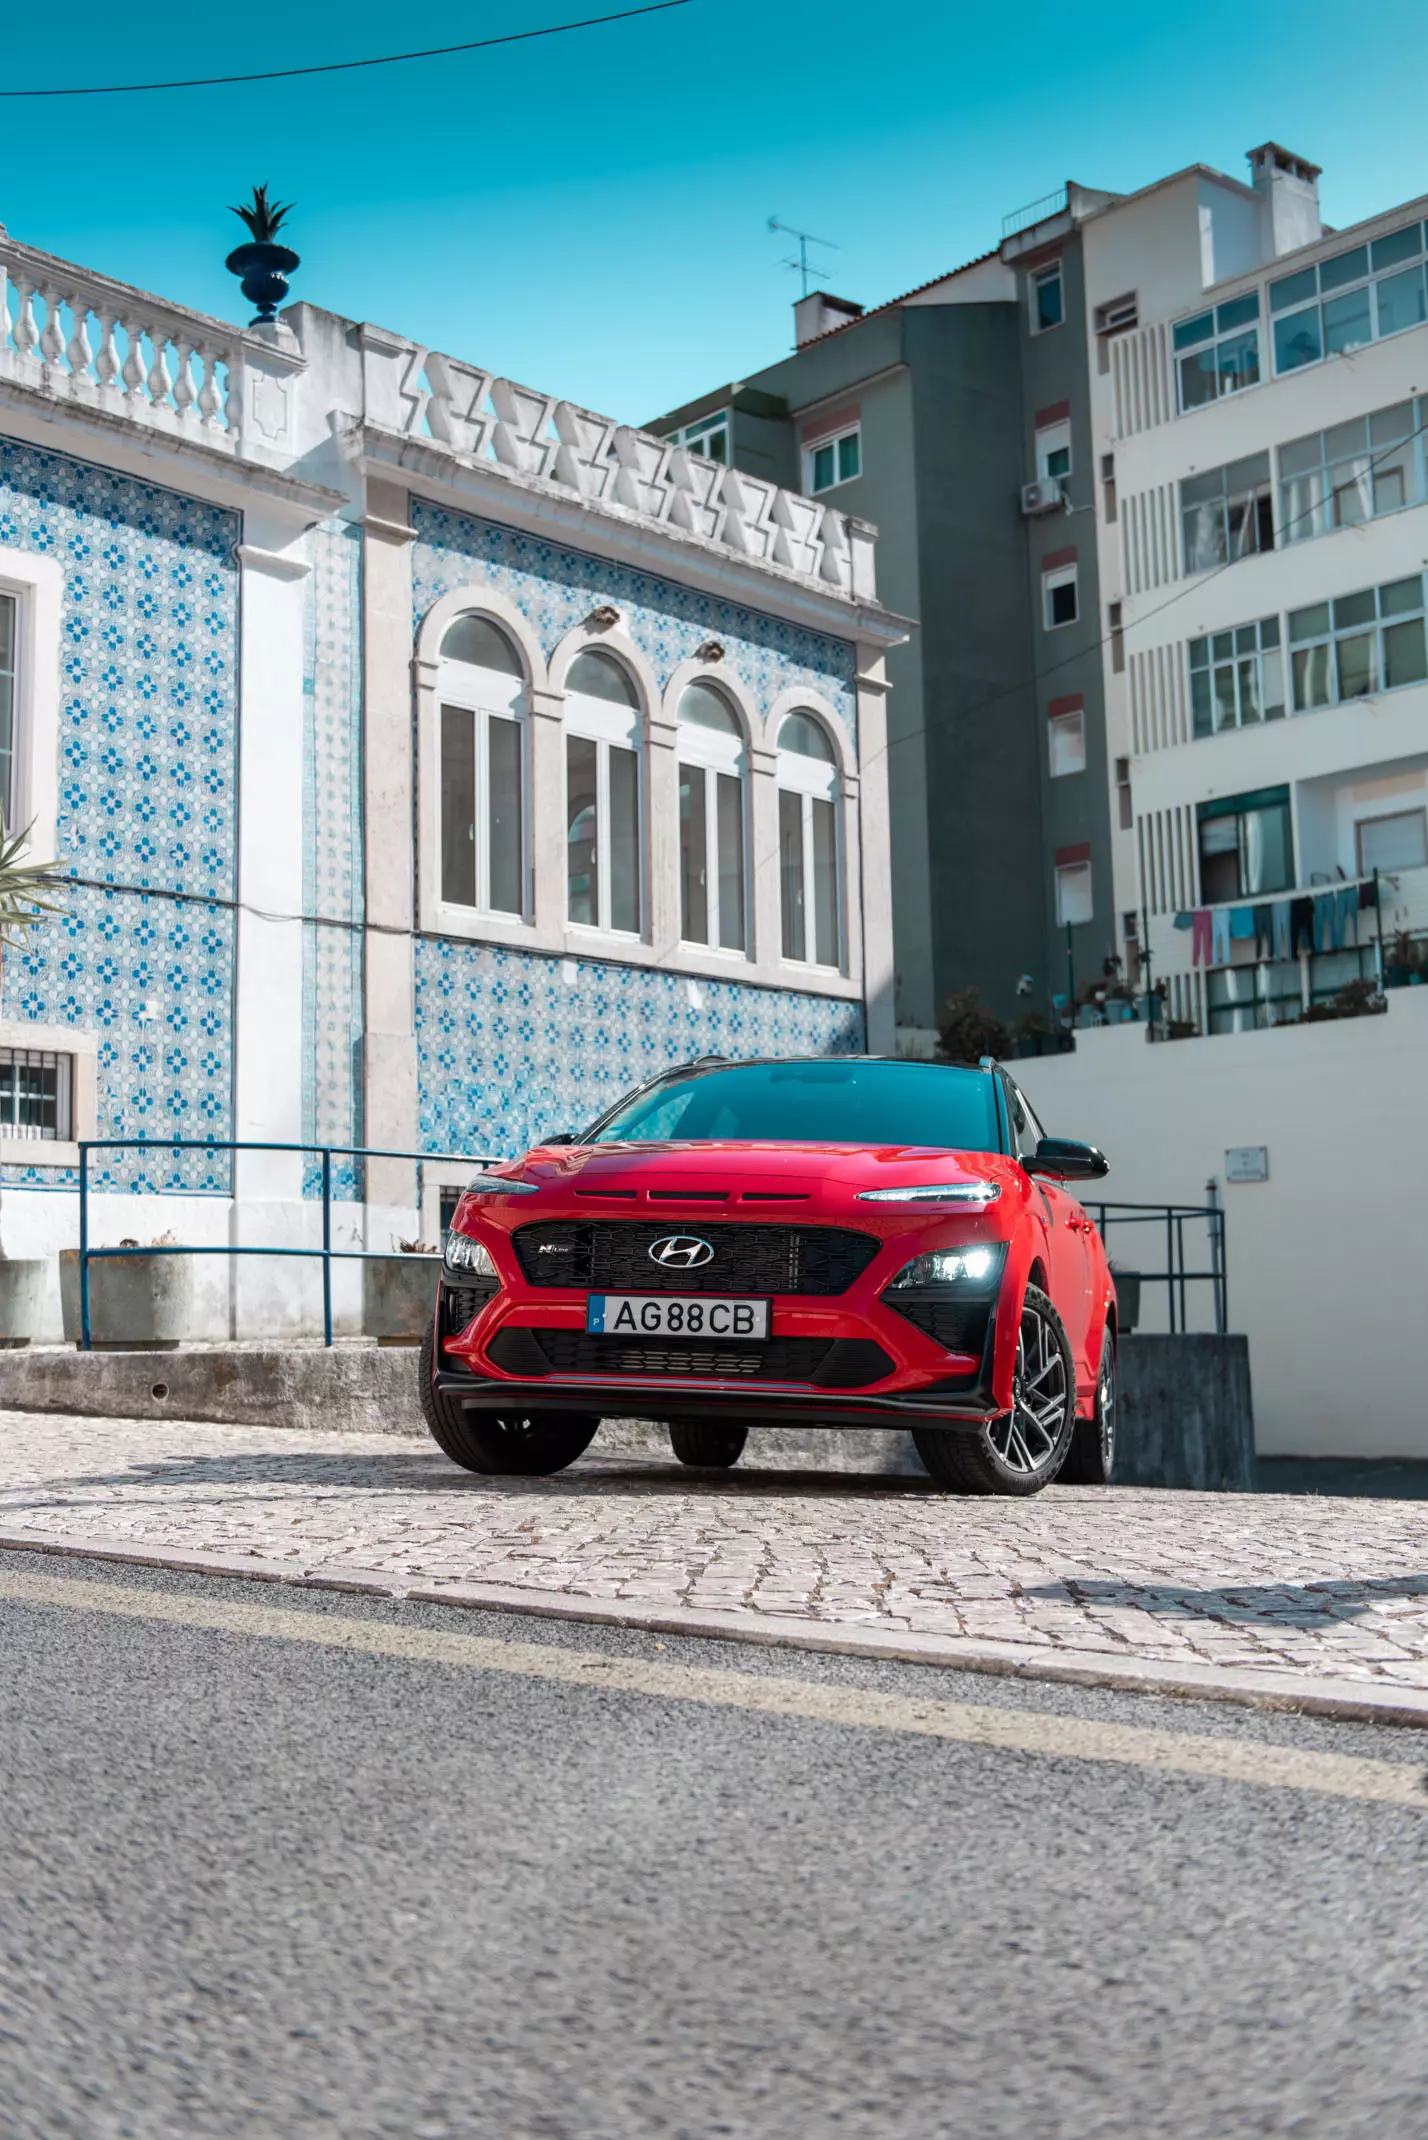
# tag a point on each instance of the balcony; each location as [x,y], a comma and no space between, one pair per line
[1333,942]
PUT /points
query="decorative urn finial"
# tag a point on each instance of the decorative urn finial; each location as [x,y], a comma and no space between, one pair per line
[263,265]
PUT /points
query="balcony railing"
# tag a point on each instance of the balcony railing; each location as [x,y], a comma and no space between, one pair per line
[1367,930]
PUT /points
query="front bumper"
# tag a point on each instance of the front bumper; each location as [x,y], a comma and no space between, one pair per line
[958,1400]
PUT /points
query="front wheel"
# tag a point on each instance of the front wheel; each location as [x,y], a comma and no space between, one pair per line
[1092,1457]
[499,1444]
[709,1443]
[1024,1450]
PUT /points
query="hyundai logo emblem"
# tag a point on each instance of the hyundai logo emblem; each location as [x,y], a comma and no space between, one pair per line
[682,1252]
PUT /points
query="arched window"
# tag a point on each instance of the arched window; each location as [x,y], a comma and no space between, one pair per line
[602,794]
[808,842]
[711,821]
[482,692]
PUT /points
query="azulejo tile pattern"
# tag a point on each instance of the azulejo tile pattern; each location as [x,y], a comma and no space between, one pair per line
[513,1045]
[332,852]
[556,588]
[146,804]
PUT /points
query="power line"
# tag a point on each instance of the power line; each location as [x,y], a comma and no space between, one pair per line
[343,66]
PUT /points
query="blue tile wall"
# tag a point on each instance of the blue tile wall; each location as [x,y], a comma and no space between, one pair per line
[512,1045]
[147,741]
[556,588]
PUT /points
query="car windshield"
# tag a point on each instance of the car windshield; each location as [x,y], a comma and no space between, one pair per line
[833,1102]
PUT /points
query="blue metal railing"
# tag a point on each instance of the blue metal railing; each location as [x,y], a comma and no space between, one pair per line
[327,1252]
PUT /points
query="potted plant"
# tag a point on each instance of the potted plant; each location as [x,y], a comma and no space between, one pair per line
[23,884]
[399,1293]
[263,264]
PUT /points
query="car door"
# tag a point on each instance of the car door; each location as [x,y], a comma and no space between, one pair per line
[1068,1230]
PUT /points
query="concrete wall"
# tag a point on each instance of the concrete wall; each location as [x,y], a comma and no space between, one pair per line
[1326,1259]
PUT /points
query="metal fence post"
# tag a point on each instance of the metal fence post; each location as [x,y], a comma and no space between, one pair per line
[327,1244]
[84,1247]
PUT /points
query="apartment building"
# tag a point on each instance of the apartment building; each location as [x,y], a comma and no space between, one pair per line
[1258,387]
[957,419]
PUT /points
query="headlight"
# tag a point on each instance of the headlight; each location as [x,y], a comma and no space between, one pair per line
[466,1258]
[974,1269]
[500,1185]
[980,1193]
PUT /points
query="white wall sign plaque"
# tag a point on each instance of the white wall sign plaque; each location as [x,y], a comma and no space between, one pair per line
[1247,1162]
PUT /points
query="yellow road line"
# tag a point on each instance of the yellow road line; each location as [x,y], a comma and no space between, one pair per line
[1391,1783]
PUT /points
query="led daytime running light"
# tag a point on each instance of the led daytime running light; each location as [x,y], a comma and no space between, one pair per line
[942,1192]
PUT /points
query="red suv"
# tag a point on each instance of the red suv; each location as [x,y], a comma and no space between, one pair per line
[834,1242]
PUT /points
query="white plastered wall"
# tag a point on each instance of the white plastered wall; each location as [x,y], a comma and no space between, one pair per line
[1325,1259]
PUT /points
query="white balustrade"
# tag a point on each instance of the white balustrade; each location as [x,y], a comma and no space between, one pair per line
[91,341]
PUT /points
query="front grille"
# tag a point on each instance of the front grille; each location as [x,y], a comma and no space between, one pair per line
[611,1256]
[843,1363]
[955,1325]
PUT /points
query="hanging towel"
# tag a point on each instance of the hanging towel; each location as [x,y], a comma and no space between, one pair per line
[1220,936]
[1200,940]
[1301,926]
[1367,902]
[1326,922]
[1241,923]
[1348,915]
[1184,921]
[1264,932]
[1280,911]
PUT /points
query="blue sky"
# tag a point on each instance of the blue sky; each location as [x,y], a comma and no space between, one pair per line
[587,214]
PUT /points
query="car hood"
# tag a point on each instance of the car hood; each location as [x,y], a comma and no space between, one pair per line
[811,1173]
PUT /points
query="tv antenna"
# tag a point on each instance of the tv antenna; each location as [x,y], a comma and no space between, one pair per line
[805,239]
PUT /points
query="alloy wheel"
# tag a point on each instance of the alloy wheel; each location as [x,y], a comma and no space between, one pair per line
[1106,1406]
[1029,1436]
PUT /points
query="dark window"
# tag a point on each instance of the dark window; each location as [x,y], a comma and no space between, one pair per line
[1246,846]
[1227,513]
[35,1089]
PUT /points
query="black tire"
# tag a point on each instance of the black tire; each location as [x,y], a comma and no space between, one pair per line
[1024,1450]
[1091,1460]
[708,1442]
[499,1444]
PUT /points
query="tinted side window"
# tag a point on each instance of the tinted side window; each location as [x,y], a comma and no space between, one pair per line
[1026,1130]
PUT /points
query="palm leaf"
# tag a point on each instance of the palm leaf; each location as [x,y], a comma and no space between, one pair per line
[23,886]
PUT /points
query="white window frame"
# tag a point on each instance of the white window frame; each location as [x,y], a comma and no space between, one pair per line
[1221,331]
[1398,816]
[699,436]
[831,441]
[1052,439]
[1369,279]
[37,587]
[1066,737]
[1311,498]
[715,753]
[1245,663]
[605,724]
[1053,271]
[82,1048]
[1061,576]
[1331,636]
[814,780]
[469,689]
[1077,874]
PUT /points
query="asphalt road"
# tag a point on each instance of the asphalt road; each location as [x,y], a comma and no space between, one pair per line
[256,1883]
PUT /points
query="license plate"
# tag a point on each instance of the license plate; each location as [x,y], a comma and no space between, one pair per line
[673,1315]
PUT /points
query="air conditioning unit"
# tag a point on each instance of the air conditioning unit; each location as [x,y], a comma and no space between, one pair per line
[1043,496]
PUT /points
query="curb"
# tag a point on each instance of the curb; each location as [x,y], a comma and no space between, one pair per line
[1347,1701]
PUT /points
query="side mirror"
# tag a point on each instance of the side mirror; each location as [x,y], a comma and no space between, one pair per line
[1063,1159]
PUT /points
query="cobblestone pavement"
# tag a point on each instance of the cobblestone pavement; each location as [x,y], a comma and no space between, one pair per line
[1330,1588]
